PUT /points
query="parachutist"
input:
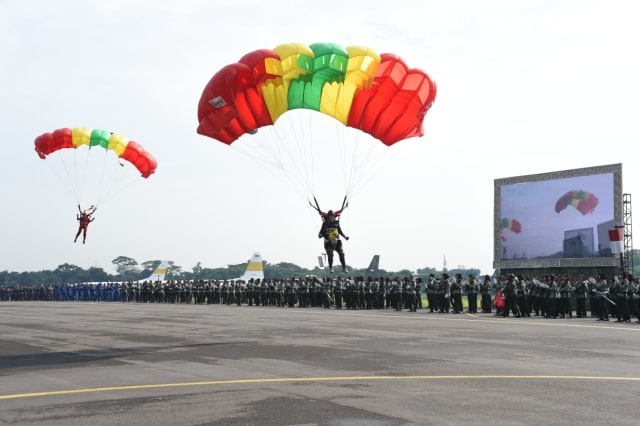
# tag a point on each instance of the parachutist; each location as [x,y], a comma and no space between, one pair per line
[331,232]
[336,214]
[85,217]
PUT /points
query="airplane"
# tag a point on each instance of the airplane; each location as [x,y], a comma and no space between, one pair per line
[255,269]
[158,274]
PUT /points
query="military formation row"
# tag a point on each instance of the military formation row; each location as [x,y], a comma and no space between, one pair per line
[549,296]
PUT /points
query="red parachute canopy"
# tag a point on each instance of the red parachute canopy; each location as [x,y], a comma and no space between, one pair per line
[378,94]
[583,201]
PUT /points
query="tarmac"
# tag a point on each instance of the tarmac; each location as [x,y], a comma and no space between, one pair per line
[66,363]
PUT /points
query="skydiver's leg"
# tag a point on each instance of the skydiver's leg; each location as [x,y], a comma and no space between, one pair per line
[84,234]
[341,255]
[77,234]
[329,249]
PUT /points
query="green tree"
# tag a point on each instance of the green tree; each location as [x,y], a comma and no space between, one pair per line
[197,271]
[125,266]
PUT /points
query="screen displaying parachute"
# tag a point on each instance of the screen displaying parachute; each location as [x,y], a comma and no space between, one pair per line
[95,164]
[510,225]
[355,87]
[583,201]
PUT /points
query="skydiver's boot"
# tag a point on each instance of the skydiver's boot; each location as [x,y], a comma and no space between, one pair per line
[342,262]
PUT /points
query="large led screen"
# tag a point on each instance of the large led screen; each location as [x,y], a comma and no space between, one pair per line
[557,218]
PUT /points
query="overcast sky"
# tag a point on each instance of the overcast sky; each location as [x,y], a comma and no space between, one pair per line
[523,87]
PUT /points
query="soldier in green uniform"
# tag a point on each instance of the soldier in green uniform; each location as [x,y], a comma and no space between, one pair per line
[409,292]
[443,293]
[622,295]
[580,292]
[510,297]
[521,295]
[602,291]
[472,294]
[485,295]
[432,293]
[456,294]
[337,293]
[564,303]
[551,310]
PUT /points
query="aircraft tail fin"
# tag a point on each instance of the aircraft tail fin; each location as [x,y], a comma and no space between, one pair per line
[255,269]
[373,267]
[159,273]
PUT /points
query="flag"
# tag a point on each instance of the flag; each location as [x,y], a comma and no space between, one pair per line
[615,239]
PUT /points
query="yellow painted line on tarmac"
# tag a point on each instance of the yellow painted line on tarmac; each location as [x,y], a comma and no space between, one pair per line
[315,379]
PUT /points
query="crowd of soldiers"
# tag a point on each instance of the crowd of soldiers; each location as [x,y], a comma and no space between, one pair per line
[521,296]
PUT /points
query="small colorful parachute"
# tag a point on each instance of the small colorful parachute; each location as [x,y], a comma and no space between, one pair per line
[583,201]
[510,225]
[353,87]
[124,148]
[90,162]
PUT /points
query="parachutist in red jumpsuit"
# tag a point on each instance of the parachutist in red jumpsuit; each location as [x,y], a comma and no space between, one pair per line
[85,219]
[331,233]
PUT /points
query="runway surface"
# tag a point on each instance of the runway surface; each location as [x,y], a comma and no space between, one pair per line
[65,363]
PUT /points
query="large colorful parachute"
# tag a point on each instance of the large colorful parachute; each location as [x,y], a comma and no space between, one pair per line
[583,201]
[124,148]
[309,110]
[378,94]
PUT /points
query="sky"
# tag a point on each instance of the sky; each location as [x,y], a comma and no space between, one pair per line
[524,87]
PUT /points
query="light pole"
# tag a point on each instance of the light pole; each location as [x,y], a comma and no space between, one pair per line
[324,263]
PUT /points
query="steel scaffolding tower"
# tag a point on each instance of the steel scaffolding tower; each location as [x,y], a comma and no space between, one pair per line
[627,259]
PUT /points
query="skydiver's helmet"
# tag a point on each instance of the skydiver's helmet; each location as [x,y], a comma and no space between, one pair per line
[330,213]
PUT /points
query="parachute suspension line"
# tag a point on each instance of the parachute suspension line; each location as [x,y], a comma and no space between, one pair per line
[307,150]
[354,157]
[295,151]
[111,177]
[81,170]
[296,141]
[342,153]
[272,146]
[64,174]
[102,187]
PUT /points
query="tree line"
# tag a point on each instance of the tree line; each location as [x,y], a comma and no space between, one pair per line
[128,269]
